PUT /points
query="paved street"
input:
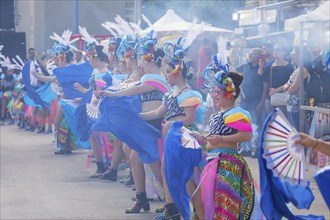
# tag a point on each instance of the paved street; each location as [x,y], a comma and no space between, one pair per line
[36,184]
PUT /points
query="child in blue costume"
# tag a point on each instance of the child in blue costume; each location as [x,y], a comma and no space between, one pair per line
[179,108]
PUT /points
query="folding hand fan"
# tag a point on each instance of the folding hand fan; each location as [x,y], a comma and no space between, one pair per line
[189,141]
[92,110]
[283,156]
[122,86]
[55,88]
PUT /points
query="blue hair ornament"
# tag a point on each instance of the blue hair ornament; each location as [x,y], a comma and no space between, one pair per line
[215,74]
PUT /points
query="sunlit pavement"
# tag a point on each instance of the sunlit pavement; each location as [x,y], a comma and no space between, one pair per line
[36,184]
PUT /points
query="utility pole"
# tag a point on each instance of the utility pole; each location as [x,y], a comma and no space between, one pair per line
[77,21]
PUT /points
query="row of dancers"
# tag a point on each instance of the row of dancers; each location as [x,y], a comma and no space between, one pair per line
[151,116]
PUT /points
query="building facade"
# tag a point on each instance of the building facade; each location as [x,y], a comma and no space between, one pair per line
[39,19]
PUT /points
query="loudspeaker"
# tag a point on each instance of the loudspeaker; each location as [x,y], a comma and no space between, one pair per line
[7,19]
[14,44]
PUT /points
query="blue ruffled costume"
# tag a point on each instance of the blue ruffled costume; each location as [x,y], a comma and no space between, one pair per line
[85,122]
[67,76]
[179,161]
[120,116]
[179,167]
[45,93]
[30,89]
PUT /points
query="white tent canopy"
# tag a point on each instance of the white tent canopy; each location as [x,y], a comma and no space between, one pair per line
[168,18]
[320,14]
[172,22]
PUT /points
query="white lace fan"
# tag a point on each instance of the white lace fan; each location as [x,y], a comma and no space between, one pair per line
[284,158]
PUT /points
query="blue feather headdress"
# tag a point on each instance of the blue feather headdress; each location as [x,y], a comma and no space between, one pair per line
[216,74]
[145,48]
[63,43]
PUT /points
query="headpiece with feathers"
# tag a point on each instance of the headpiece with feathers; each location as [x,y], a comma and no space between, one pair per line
[145,48]
[147,21]
[177,52]
[63,43]
[126,48]
[216,74]
[115,41]
[90,42]
[125,37]
[16,63]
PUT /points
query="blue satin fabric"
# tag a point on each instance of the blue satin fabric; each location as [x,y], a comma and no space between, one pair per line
[120,116]
[85,123]
[179,167]
[44,92]
[68,75]
[323,180]
[275,193]
[69,114]
[31,90]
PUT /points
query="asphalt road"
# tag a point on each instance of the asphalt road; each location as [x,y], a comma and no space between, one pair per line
[36,184]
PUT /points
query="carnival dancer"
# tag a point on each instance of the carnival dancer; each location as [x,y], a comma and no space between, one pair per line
[66,74]
[123,63]
[34,110]
[179,108]
[151,91]
[7,85]
[126,56]
[32,97]
[29,79]
[101,79]
[46,116]
[226,190]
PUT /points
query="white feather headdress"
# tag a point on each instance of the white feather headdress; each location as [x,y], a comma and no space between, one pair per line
[86,36]
[65,39]
[14,64]
[122,27]
[221,55]
[194,31]
[146,20]
[125,27]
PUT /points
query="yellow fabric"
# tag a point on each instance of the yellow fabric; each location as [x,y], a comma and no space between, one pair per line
[238,116]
